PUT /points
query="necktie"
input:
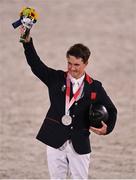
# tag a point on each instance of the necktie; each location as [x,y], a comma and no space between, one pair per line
[75,86]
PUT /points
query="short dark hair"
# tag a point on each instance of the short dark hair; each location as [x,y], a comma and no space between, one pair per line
[79,51]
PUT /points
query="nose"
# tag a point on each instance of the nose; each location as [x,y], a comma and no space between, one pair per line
[72,68]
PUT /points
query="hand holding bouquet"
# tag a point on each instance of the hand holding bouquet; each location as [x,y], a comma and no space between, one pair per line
[28,17]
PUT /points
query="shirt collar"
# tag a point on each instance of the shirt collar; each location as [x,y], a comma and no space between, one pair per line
[88,79]
[74,80]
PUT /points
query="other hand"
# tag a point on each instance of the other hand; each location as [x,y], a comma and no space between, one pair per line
[100,131]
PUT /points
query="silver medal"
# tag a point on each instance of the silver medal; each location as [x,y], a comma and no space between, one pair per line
[66,120]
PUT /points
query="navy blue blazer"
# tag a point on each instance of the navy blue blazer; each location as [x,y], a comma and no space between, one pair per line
[52,131]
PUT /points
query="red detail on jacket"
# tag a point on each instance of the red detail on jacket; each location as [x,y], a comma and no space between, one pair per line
[88,78]
[93,95]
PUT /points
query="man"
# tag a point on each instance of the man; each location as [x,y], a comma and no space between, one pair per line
[66,127]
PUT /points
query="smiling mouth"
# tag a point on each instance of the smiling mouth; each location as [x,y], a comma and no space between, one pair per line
[73,71]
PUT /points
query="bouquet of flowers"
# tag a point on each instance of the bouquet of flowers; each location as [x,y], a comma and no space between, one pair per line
[28,17]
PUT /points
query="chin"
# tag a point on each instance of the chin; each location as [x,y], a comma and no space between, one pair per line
[74,75]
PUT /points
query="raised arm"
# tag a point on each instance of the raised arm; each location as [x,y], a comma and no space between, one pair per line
[43,72]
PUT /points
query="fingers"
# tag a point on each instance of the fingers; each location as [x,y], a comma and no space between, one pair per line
[96,130]
[103,124]
[22,29]
[100,131]
[25,33]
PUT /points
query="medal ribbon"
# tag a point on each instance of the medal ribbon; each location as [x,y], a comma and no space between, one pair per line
[75,96]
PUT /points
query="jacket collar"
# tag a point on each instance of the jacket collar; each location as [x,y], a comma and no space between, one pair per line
[88,78]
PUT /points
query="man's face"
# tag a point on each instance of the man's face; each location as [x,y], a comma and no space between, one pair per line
[76,67]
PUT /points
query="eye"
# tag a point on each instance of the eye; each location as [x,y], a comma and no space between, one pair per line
[69,63]
[77,65]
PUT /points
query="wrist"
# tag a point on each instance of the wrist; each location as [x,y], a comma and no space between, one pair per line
[28,39]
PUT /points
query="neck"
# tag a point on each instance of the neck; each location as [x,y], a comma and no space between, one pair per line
[78,77]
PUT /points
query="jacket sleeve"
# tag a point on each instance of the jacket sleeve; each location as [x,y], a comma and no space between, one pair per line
[105,100]
[43,72]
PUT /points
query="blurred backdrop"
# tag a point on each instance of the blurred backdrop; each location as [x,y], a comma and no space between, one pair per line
[108,28]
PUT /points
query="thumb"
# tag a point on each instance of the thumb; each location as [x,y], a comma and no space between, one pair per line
[103,123]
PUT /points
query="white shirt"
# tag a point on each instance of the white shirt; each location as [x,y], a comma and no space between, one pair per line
[76,82]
